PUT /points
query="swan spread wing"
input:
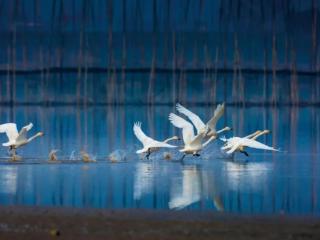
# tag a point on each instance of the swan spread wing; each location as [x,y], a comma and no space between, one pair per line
[187,128]
[216,116]
[140,134]
[255,144]
[234,148]
[23,133]
[157,144]
[11,131]
[197,122]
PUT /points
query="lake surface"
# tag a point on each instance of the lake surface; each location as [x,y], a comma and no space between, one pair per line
[265,183]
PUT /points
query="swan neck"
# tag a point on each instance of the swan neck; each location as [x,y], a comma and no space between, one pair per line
[209,140]
[258,135]
[34,136]
[169,139]
[222,130]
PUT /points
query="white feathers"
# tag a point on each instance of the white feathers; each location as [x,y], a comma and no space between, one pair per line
[199,124]
[235,143]
[16,139]
[216,116]
[148,143]
[11,131]
[187,128]
[195,119]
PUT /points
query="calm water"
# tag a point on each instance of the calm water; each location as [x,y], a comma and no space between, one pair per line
[287,182]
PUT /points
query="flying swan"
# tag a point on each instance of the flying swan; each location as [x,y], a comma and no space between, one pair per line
[150,145]
[238,144]
[210,127]
[192,144]
[230,142]
[17,139]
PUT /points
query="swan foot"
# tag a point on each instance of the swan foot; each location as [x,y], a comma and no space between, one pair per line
[196,155]
[148,154]
[245,153]
[181,159]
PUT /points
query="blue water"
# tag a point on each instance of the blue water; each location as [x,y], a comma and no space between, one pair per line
[286,182]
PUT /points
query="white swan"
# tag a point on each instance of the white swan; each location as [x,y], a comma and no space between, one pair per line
[192,144]
[238,144]
[210,127]
[231,141]
[17,139]
[150,145]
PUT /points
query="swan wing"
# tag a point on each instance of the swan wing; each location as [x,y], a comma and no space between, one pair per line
[197,140]
[197,122]
[218,112]
[157,144]
[234,148]
[23,133]
[255,144]
[11,131]
[187,128]
[145,140]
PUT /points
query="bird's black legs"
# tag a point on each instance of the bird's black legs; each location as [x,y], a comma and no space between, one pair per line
[13,155]
[181,159]
[148,154]
[196,155]
[245,153]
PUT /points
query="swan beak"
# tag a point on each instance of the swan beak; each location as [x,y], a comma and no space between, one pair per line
[41,134]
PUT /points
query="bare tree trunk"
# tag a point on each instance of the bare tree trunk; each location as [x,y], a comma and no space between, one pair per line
[314,35]
[174,66]
[294,80]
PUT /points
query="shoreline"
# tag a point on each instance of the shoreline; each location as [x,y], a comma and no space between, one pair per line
[23,222]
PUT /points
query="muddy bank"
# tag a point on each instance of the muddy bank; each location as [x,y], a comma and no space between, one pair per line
[64,223]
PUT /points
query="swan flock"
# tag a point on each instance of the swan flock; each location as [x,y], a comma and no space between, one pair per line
[196,135]
[205,133]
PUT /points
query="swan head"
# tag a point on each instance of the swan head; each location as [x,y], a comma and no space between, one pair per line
[266,131]
[227,128]
[176,138]
[40,134]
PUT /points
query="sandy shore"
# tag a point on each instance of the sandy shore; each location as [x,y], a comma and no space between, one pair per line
[48,223]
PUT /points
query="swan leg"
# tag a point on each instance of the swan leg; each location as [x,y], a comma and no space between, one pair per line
[148,154]
[245,153]
[14,156]
[181,159]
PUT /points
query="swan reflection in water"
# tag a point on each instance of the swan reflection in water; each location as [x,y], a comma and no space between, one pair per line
[196,184]
[188,191]
[143,179]
[8,180]
[248,176]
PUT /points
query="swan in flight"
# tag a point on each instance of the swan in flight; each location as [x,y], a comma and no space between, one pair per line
[210,127]
[192,144]
[17,139]
[150,145]
[238,144]
[229,143]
